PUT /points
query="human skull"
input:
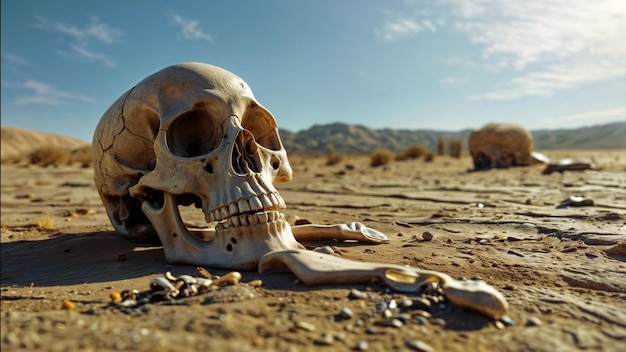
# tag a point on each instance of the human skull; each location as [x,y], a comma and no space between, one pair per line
[194,134]
[501,145]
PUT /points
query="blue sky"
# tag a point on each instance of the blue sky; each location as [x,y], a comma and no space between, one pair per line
[443,65]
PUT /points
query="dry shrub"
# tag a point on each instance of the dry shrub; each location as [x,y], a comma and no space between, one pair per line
[82,156]
[413,152]
[429,157]
[332,157]
[57,156]
[441,146]
[50,156]
[45,222]
[381,157]
[455,147]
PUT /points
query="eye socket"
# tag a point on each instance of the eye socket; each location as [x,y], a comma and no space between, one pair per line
[194,133]
[262,125]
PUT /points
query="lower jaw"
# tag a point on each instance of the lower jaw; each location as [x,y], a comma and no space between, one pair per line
[244,246]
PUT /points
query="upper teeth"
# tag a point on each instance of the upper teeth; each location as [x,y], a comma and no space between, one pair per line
[269,201]
[250,219]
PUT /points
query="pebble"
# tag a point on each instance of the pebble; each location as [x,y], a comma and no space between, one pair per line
[506,320]
[356,294]
[324,250]
[534,321]
[427,236]
[417,345]
[362,346]
[325,340]
[346,313]
[393,304]
[451,241]
[305,326]
[420,320]
[371,331]
[68,305]
[439,321]
[394,323]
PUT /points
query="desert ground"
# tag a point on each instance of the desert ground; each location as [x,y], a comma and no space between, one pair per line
[561,268]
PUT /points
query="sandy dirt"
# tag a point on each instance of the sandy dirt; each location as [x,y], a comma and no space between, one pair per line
[562,269]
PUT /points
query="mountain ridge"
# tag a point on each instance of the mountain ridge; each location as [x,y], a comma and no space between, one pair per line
[345,138]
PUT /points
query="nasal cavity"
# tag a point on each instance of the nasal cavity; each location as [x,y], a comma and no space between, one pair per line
[245,156]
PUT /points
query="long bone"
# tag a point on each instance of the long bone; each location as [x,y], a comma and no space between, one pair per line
[314,268]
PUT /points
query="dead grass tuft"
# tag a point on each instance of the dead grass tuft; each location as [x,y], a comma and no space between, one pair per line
[45,222]
[381,157]
[57,156]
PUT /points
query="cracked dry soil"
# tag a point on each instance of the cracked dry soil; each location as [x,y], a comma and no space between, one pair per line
[562,269]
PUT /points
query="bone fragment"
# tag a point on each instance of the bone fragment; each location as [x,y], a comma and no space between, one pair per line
[231,278]
[316,268]
[351,231]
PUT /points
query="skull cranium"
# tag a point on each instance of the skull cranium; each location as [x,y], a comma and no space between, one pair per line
[194,134]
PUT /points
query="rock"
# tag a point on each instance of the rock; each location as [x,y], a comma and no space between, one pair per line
[346,313]
[534,321]
[427,236]
[356,294]
[362,346]
[618,249]
[324,249]
[325,340]
[417,345]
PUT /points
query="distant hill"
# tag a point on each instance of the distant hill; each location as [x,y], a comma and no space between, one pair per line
[355,139]
[17,142]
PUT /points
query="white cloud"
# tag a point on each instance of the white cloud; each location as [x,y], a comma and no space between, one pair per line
[83,37]
[598,115]
[190,29]
[549,45]
[45,94]
[14,60]
[402,27]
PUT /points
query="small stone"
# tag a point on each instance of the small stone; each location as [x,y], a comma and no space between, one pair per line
[362,346]
[393,323]
[506,320]
[202,272]
[420,320]
[303,325]
[404,317]
[356,294]
[499,324]
[450,241]
[255,283]
[427,236]
[116,297]
[438,321]
[417,345]
[324,250]
[302,222]
[393,304]
[421,313]
[534,321]
[406,303]
[325,340]
[386,314]
[68,305]
[346,313]
[371,331]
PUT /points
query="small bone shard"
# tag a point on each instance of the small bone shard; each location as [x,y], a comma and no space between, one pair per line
[568,165]
[314,268]
[343,232]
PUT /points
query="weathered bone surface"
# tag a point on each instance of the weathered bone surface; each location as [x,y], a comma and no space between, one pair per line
[502,145]
[314,268]
[194,134]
